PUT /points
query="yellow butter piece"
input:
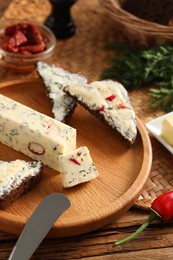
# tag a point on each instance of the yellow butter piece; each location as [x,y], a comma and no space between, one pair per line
[167,129]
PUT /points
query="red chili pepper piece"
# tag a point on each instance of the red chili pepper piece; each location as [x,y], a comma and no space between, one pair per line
[161,209]
[101,109]
[33,35]
[13,43]
[74,160]
[122,105]
[7,46]
[19,38]
[10,30]
[32,48]
[52,128]
[110,98]
[36,148]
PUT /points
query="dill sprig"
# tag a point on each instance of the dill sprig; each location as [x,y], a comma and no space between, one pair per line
[137,68]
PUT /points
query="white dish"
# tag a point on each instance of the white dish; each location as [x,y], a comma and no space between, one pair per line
[154,126]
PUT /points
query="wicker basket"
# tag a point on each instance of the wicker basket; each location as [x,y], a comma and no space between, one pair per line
[138,32]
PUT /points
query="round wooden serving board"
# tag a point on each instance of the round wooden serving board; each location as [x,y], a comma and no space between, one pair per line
[123,170]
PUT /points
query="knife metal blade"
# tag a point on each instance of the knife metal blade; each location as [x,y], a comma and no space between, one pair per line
[38,225]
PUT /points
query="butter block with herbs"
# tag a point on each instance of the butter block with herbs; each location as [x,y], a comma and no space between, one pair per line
[167,129]
[34,134]
[77,167]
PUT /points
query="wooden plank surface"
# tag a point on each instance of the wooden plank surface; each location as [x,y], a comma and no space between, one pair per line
[153,243]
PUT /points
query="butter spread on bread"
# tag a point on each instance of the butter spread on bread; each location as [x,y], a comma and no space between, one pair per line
[108,101]
[55,79]
[16,178]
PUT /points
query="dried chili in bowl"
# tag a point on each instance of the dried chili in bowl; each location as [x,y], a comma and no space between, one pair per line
[23,44]
[24,38]
[161,209]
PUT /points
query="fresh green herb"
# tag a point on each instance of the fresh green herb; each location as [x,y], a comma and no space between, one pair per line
[163,98]
[137,68]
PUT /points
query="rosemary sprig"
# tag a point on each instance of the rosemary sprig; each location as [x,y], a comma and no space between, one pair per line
[136,68]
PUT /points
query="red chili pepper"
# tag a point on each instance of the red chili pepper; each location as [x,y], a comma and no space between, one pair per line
[122,105]
[74,160]
[36,148]
[110,98]
[163,205]
[101,109]
[52,128]
[161,209]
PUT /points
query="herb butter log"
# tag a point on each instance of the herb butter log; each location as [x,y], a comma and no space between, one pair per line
[109,101]
[55,79]
[34,134]
[77,167]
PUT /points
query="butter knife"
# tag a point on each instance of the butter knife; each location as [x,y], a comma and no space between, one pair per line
[38,225]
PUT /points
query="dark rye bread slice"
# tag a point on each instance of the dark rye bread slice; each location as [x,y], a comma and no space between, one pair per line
[16,178]
[109,102]
[55,79]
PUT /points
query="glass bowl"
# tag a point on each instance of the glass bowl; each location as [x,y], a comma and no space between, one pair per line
[24,63]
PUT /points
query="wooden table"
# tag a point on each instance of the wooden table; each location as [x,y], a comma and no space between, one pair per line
[86,53]
[153,243]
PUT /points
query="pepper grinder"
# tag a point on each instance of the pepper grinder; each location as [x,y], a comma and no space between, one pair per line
[60,21]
